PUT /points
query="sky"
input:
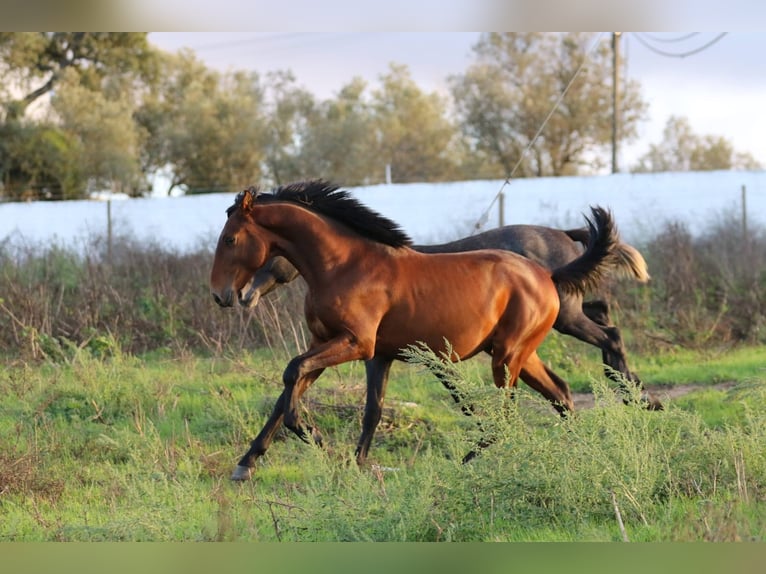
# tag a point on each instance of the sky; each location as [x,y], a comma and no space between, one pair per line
[719,84]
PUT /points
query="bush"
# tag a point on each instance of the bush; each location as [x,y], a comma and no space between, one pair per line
[58,301]
[708,290]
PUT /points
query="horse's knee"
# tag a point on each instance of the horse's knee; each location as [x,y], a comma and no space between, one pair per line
[614,339]
[292,372]
[597,311]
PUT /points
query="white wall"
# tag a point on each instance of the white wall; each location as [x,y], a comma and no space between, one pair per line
[428,212]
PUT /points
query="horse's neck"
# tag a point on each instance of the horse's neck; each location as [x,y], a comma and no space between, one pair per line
[312,243]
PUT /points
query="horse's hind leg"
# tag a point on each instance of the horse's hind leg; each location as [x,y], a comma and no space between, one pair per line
[377,370]
[468,410]
[612,355]
[547,383]
[572,320]
[597,311]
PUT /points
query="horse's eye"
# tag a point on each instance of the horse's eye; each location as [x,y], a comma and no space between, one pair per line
[229,240]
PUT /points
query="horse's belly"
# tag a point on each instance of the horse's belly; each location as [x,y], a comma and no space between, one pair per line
[465,333]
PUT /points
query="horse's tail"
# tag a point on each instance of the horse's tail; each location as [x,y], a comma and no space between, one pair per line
[628,260]
[601,253]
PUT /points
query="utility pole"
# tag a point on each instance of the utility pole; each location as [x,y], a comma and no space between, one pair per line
[615,96]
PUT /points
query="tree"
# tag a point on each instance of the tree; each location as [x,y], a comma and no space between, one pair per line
[340,140]
[683,150]
[351,138]
[207,128]
[415,136]
[288,111]
[35,61]
[38,161]
[106,136]
[505,97]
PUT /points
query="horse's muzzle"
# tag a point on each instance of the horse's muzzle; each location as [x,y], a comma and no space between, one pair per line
[226,299]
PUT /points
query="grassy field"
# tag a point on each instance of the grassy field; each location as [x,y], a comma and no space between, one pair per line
[120,448]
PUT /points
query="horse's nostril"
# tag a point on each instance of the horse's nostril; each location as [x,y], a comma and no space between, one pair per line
[217,299]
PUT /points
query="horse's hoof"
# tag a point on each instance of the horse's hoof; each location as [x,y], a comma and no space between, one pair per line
[241,473]
[651,403]
[317,438]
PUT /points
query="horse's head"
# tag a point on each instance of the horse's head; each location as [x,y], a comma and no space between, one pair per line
[240,252]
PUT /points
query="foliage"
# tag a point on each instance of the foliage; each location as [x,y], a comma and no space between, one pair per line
[39,161]
[90,445]
[707,290]
[209,127]
[290,115]
[683,150]
[143,298]
[355,135]
[107,139]
[95,137]
[341,138]
[40,58]
[414,135]
[118,112]
[504,98]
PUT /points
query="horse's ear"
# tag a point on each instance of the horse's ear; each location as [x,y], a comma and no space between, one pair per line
[248,198]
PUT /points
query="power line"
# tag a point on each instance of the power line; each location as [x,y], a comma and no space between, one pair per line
[671,40]
[507,181]
[648,45]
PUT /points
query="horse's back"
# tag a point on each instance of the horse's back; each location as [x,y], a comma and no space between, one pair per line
[549,247]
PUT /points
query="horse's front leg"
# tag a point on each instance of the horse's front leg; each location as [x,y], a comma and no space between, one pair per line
[304,370]
[261,443]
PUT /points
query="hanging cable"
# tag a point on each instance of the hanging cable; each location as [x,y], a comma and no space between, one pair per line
[648,45]
[485,215]
[670,40]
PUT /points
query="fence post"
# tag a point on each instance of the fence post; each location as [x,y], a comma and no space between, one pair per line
[744,213]
[109,231]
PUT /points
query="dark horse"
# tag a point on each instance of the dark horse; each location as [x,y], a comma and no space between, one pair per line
[370,296]
[587,321]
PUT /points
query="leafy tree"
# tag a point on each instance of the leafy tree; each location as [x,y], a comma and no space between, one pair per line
[504,98]
[289,111]
[683,150]
[107,138]
[38,161]
[415,136]
[340,140]
[35,61]
[351,138]
[207,128]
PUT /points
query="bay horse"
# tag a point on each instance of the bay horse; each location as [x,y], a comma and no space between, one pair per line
[370,296]
[587,321]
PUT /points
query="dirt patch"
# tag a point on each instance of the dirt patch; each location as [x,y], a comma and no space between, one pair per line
[661,392]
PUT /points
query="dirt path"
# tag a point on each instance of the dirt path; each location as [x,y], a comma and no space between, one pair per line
[663,393]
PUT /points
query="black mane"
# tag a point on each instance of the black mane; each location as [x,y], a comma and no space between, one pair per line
[327,199]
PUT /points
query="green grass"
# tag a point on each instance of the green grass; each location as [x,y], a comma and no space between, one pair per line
[579,364]
[131,449]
